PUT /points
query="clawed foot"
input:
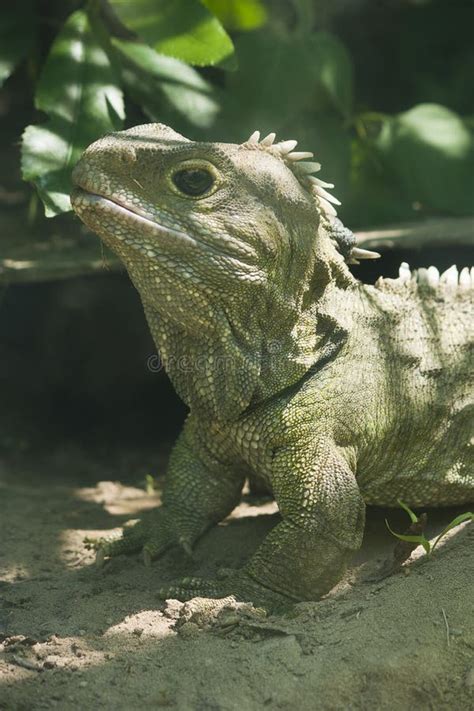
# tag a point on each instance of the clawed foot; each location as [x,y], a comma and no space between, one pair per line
[155,535]
[238,584]
[151,536]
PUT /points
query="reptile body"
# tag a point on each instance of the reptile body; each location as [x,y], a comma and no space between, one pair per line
[332,392]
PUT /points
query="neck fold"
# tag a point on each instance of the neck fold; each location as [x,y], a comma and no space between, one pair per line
[250,354]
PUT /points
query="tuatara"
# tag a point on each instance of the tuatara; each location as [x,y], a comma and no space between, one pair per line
[334,393]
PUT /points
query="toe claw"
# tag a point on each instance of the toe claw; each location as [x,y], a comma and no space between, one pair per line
[153,538]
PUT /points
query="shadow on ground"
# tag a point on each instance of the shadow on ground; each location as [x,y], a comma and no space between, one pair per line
[74,636]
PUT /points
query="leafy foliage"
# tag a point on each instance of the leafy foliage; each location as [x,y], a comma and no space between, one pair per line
[79,91]
[183,29]
[431,152]
[167,89]
[280,79]
[238,14]
[382,115]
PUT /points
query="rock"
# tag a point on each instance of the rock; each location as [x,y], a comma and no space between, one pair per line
[172,609]
[226,612]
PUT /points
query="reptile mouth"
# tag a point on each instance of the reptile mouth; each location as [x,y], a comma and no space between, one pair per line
[90,206]
[80,193]
[126,214]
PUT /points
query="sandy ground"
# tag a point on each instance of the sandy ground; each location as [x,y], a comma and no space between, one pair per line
[76,637]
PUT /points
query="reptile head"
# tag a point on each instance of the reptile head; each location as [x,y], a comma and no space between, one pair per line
[202,219]
[230,247]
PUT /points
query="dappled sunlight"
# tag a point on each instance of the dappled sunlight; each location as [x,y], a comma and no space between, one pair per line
[146,624]
[186,657]
[13,674]
[248,509]
[117,499]
[72,550]
[77,631]
[14,573]
[441,129]
[18,263]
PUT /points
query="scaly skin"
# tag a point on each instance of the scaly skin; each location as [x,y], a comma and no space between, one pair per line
[334,393]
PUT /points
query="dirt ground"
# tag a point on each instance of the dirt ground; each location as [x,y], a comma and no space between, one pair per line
[73,636]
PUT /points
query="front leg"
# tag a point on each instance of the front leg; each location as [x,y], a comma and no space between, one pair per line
[200,490]
[323,523]
[306,554]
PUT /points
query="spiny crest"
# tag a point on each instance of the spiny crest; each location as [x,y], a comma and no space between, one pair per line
[303,168]
[431,277]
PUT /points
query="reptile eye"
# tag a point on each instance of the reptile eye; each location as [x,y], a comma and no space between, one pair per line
[193,181]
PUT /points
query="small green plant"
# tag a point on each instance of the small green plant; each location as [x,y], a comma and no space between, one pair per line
[150,484]
[419,538]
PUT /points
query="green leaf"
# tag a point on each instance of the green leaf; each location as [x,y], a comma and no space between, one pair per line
[430,151]
[149,484]
[163,86]
[412,514]
[421,540]
[332,68]
[238,14]
[17,36]
[468,516]
[183,29]
[78,90]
